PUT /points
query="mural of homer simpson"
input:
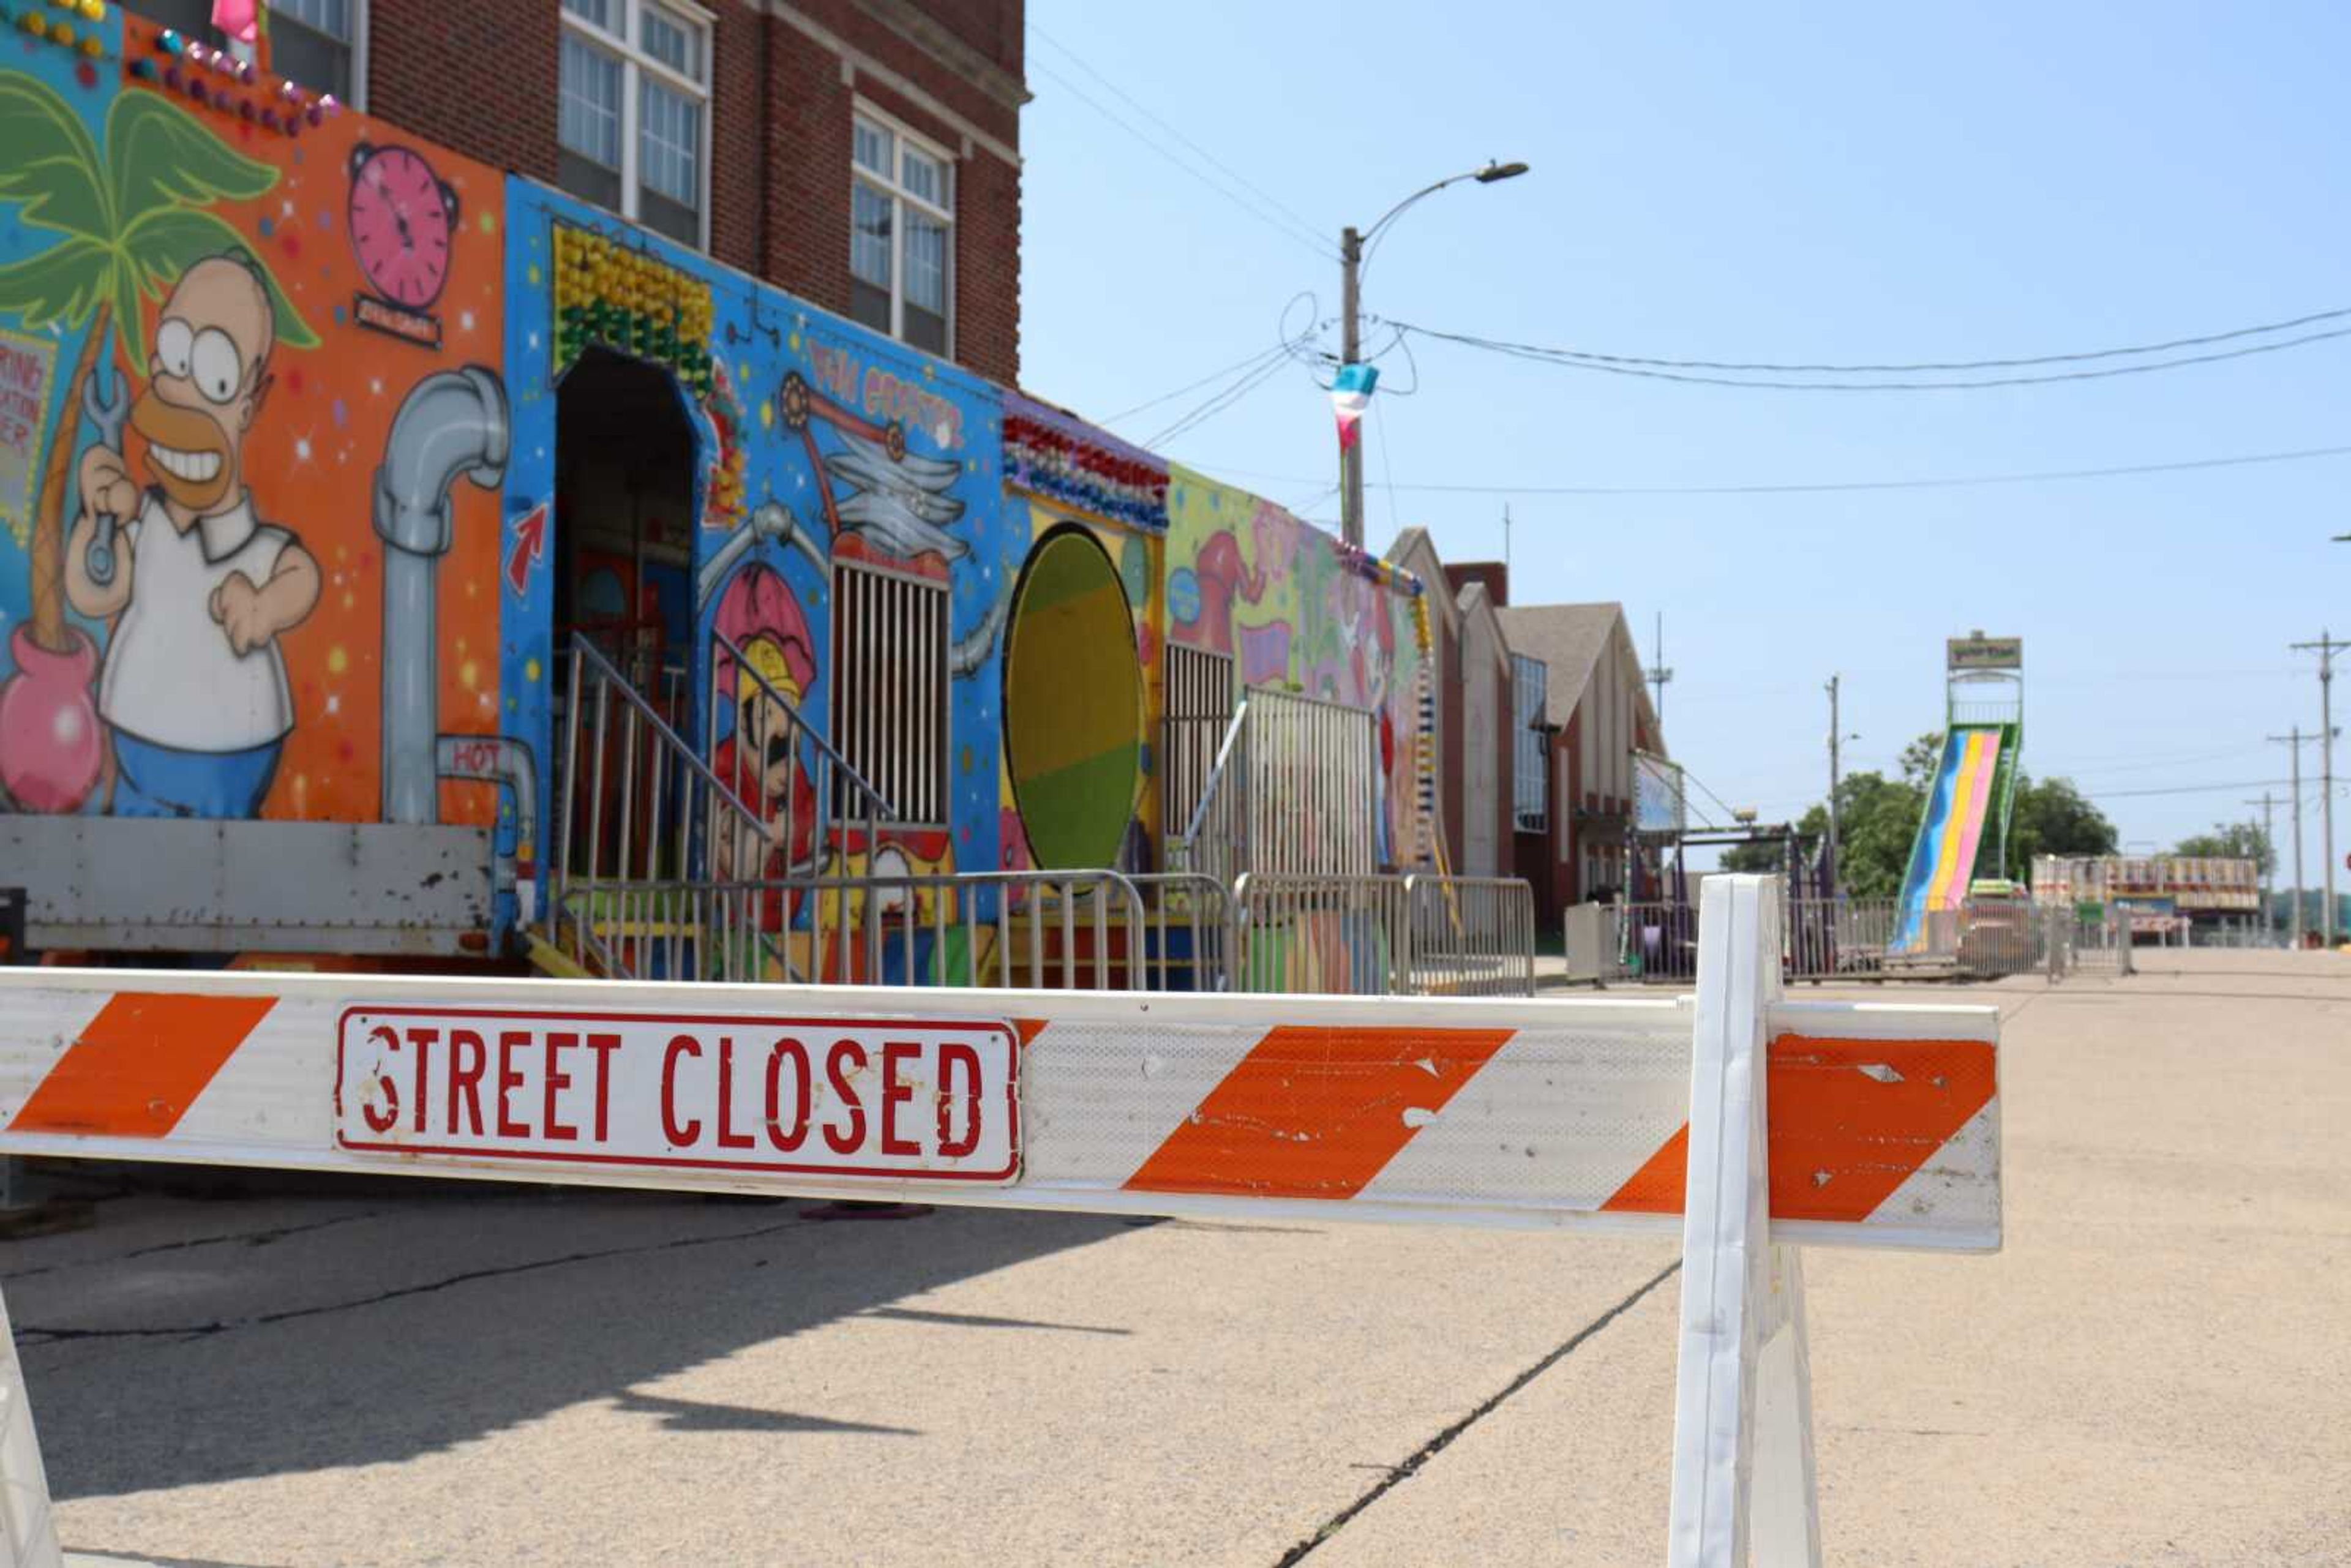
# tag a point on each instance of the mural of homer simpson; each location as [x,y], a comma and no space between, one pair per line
[193,687]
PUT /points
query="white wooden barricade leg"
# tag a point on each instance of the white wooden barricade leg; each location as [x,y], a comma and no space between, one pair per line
[1742,1398]
[29,1537]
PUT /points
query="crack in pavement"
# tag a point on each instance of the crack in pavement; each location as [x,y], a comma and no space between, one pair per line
[251,1237]
[1436,1445]
[34,1336]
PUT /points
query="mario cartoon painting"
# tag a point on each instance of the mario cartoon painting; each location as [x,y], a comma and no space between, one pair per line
[199,588]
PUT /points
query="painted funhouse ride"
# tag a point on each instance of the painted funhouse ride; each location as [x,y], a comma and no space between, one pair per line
[401,560]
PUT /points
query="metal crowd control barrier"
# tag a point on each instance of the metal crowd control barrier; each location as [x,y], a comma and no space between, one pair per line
[1471,937]
[1843,939]
[1384,936]
[1342,936]
[1189,933]
[1044,929]
[1745,1123]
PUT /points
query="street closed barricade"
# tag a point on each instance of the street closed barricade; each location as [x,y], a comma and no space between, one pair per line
[1742,1122]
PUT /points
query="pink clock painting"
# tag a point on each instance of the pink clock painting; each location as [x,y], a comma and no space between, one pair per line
[402,218]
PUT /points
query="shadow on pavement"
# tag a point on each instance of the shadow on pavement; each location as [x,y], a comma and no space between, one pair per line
[424,1317]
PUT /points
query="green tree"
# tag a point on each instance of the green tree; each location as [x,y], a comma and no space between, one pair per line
[1877,819]
[2053,818]
[2233,841]
[129,221]
[1919,760]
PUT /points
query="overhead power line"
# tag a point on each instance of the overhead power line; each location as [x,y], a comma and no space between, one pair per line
[1945,482]
[1221,400]
[1216,375]
[1921,366]
[1562,359]
[2182,789]
[1313,233]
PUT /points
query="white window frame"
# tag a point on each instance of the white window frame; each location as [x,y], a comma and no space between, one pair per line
[625,48]
[900,198]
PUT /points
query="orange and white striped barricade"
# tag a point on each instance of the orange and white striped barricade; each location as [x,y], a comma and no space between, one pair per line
[1867,1125]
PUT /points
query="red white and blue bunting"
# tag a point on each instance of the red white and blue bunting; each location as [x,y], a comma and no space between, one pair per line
[1062,457]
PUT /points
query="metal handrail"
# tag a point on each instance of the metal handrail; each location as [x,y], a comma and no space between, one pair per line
[721,642]
[1193,829]
[639,717]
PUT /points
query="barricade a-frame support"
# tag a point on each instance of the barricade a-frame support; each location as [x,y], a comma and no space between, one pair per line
[1743,1396]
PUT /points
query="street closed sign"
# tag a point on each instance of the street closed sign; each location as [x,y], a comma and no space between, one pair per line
[896,1099]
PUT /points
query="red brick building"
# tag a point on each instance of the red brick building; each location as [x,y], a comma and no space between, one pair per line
[1575,782]
[862,155]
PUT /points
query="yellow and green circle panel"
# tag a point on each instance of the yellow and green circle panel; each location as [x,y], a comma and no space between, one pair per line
[1072,703]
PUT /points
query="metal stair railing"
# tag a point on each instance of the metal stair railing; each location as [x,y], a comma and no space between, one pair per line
[840,803]
[638,810]
[1214,843]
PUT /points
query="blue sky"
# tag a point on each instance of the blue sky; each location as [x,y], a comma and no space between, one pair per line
[1837,182]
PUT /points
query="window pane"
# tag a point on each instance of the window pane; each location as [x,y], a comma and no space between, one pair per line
[869,235]
[676,219]
[192,17]
[670,41]
[926,263]
[926,178]
[303,55]
[669,144]
[597,11]
[925,330]
[590,122]
[588,180]
[869,305]
[332,17]
[872,148]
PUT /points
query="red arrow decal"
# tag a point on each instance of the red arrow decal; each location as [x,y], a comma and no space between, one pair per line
[529,546]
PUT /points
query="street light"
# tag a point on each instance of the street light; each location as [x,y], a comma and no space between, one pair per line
[1355,247]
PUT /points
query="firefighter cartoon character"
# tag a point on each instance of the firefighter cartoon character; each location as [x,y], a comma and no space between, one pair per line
[194,688]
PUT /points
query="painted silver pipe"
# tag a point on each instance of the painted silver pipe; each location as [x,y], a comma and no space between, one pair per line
[452,423]
[503,760]
[769,520]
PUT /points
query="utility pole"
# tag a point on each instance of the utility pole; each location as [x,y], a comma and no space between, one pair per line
[1837,735]
[1355,246]
[1657,674]
[2269,868]
[2326,647]
[1506,542]
[1351,343]
[2292,743]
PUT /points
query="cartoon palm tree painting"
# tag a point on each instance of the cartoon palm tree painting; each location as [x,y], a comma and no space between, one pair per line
[129,221]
